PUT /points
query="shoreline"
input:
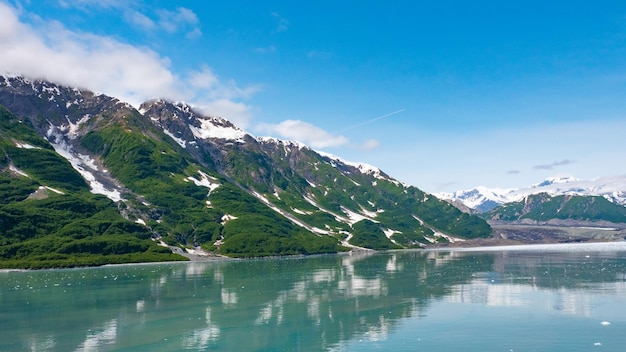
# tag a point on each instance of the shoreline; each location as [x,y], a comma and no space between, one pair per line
[509,237]
[590,246]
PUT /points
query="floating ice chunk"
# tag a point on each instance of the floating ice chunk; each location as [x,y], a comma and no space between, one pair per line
[605,323]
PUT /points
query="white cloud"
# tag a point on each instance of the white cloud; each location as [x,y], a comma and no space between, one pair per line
[48,50]
[370,144]
[180,19]
[238,113]
[172,21]
[203,79]
[194,33]
[82,59]
[139,19]
[304,132]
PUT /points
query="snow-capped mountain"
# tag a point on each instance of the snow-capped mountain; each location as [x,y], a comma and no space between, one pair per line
[482,199]
[195,180]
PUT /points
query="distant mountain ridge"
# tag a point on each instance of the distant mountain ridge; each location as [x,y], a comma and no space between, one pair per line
[572,210]
[193,181]
[483,199]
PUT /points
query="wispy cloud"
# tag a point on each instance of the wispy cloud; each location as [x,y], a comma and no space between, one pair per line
[319,54]
[281,23]
[224,97]
[212,86]
[369,144]
[85,4]
[317,137]
[48,50]
[139,19]
[179,20]
[304,132]
[513,172]
[265,50]
[553,164]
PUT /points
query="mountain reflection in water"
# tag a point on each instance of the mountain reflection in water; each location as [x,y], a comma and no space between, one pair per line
[336,302]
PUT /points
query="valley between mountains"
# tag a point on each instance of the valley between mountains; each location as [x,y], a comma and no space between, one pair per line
[89,180]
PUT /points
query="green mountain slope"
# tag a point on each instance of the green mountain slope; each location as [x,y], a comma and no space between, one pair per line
[48,216]
[187,202]
[169,173]
[323,193]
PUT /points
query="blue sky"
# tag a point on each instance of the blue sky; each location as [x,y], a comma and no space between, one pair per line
[442,95]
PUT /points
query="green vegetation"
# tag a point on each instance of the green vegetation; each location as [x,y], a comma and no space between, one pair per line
[258,231]
[159,171]
[543,207]
[203,195]
[368,234]
[70,230]
[40,228]
[337,189]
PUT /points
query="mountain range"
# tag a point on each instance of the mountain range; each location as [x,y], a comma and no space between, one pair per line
[482,199]
[555,199]
[87,179]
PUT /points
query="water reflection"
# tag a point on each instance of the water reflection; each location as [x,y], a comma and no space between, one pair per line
[316,303]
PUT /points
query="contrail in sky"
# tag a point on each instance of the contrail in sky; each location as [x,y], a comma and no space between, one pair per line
[372,120]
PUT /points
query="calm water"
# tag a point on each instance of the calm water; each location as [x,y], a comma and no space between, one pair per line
[570,298]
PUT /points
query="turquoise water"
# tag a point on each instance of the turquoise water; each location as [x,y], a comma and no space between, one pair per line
[566,298]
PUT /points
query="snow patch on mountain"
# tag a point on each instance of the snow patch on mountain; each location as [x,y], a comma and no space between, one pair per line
[353,217]
[208,129]
[81,163]
[226,218]
[555,180]
[389,233]
[362,167]
[72,128]
[180,141]
[18,171]
[205,181]
[22,145]
[289,217]
[301,212]
[482,198]
[287,144]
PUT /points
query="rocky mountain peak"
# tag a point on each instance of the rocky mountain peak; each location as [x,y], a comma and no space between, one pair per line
[196,180]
